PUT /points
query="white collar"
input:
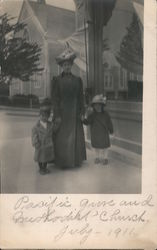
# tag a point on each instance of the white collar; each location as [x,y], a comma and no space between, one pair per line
[44,124]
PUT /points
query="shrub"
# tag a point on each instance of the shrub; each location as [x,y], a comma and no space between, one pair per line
[25,100]
[4,100]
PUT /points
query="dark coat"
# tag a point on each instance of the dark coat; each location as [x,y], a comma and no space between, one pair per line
[43,143]
[100,126]
[67,96]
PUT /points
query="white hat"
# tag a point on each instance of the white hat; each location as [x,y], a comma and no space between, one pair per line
[99,99]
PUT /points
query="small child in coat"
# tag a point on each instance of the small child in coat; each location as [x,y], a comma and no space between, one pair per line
[42,138]
[100,127]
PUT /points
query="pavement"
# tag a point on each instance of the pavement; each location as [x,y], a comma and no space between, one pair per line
[12,108]
[19,172]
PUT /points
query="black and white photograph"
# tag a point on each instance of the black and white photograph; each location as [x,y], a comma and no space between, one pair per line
[71,96]
[78,104]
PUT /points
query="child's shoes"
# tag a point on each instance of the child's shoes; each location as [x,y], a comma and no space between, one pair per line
[97,161]
[44,171]
[104,161]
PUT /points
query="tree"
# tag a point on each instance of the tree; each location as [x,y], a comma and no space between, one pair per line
[130,55]
[18,57]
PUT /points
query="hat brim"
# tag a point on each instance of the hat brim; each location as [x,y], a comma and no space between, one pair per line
[60,60]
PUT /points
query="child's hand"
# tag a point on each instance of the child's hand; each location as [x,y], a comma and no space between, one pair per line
[56,124]
[57,121]
[35,139]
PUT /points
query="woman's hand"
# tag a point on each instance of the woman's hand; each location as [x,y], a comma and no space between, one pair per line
[82,117]
[57,122]
[89,111]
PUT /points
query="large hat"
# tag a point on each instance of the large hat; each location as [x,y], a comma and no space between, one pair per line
[45,105]
[67,55]
[99,99]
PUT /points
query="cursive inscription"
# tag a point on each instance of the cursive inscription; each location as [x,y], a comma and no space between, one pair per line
[84,232]
[25,203]
[118,216]
[80,220]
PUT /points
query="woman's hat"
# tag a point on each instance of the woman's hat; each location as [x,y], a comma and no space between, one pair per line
[99,99]
[45,105]
[67,55]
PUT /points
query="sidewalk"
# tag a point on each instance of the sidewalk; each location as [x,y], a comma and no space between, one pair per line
[12,108]
[20,174]
[115,151]
[19,111]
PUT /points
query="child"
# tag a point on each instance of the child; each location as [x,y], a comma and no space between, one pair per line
[100,126]
[42,138]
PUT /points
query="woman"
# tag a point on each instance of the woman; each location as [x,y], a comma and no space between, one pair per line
[67,95]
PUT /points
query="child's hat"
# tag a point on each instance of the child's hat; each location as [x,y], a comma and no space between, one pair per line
[45,104]
[99,99]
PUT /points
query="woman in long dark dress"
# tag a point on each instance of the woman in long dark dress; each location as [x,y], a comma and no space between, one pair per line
[67,95]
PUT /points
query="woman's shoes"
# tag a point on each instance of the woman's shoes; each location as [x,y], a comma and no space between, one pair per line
[101,161]
[105,161]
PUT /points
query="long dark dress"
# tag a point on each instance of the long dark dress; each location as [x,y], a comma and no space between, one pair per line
[69,142]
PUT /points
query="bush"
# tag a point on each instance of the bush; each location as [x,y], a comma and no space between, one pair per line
[35,99]
[4,89]
[4,100]
[21,100]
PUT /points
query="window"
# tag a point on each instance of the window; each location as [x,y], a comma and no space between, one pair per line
[123,82]
[16,85]
[26,35]
[37,84]
[132,76]
[108,81]
[111,81]
[37,81]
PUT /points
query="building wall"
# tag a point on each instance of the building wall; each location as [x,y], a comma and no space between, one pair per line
[116,80]
[115,31]
[127,122]
[126,115]
[119,21]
